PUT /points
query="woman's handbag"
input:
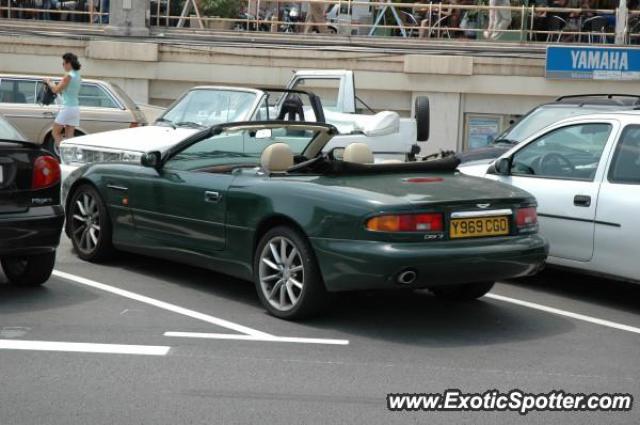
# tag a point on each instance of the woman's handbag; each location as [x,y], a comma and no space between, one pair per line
[46,96]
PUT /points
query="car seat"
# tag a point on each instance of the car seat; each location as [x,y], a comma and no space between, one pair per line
[358,153]
[277,158]
[20,98]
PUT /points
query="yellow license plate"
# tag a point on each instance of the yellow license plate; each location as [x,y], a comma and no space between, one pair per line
[478,227]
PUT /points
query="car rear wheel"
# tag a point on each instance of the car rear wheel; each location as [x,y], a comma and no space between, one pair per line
[287,276]
[463,292]
[89,224]
[29,270]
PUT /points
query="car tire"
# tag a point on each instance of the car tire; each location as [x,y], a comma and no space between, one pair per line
[29,270]
[290,301]
[422,116]
[463,292]
[89,224]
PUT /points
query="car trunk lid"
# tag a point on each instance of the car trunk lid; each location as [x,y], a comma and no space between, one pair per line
[16,176]
[424,189]
[139,117]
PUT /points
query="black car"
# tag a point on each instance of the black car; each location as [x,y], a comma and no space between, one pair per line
[31,216]
[547,114]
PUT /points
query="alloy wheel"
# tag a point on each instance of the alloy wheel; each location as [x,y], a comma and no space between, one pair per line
[85,226]
[281,273]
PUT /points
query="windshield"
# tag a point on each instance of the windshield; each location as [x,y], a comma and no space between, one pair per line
[209,107]
[541,118]
[242,146]
[8,132]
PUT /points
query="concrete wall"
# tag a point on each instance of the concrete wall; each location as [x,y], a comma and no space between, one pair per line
[153,72]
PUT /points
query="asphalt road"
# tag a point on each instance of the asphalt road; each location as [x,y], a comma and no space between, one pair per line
[397,343]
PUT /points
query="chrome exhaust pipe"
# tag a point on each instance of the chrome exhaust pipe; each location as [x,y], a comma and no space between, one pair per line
[407,277]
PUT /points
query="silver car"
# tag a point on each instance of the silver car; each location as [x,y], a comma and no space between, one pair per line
[585,174]
[103,107]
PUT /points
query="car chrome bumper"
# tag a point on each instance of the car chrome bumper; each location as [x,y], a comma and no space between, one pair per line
[356,265]
[34,231]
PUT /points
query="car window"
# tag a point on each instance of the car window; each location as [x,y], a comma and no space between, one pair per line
[572,152]
[541,118]
[327,89]
[625,166]
[95,96]
[210,107]
[237,147]
[18,91]
[262,111]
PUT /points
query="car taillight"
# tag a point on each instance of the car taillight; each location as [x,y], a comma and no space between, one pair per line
[527,219]
[134,124]
[432,222]
[46,172]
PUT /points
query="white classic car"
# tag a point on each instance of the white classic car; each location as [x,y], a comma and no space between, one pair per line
[388,135]
[585,174]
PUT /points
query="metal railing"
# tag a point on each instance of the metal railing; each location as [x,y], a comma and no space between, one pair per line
[381,18]
[417,20]
[83,11]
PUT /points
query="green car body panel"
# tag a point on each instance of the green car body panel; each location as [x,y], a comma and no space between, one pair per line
[167,213]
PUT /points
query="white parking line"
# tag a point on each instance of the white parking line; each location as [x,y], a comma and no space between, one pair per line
[203,335]
[83,347]
[249,334]
[565,313]
[161,304]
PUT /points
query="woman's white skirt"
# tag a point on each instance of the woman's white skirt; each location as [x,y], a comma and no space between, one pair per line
[68,115]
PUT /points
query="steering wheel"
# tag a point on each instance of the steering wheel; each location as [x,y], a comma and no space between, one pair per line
[554,163]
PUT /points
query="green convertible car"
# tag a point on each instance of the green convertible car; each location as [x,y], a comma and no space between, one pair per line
[268,202]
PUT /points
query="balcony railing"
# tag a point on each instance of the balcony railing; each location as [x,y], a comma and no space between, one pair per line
[376,18]
[83,11]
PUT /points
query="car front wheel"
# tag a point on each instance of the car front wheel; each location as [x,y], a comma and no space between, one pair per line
[89,224]
[29,270]
[463,292]
[287,276]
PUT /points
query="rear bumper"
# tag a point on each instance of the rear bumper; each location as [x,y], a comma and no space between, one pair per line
[356,265]
[32,232]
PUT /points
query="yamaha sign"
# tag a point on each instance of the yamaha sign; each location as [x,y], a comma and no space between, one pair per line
[592,63]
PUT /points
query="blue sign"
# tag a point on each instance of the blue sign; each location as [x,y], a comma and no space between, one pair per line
[592,63]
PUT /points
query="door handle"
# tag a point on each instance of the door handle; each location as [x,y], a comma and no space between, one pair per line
[582,201]
[118,188]
[210,196]
[48,114]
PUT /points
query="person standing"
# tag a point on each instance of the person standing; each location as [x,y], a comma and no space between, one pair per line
[68,119]
[316,17]
[499,19]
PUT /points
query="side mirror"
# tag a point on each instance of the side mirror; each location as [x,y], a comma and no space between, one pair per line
[502,167]
[151,160]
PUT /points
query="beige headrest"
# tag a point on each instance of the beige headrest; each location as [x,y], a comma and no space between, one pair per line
[358,152]
[277,158]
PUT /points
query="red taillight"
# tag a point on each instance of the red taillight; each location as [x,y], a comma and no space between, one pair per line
[527,218]
[46,172]
[134,124]
[431,222]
